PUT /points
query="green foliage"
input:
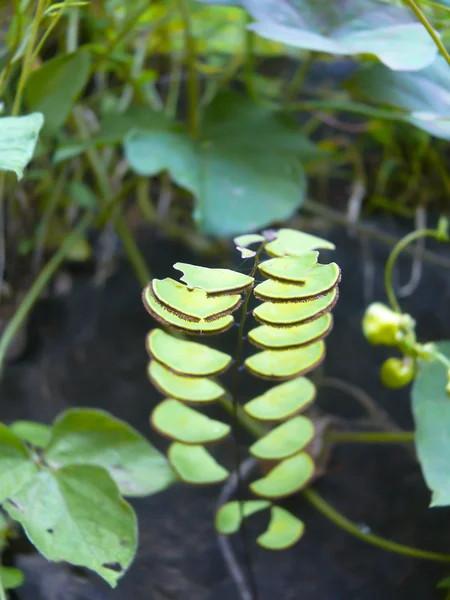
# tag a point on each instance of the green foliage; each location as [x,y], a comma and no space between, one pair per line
[294,350]
[11,578]
[18,138]
[64,486]
[431,410]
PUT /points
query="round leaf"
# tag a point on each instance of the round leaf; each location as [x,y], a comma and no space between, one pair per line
[285,440]
[284,530]
[289,476]
[282,401]
[291,337]
[290,242]
[286,364]
[192,304]
[189,389]
[93,437]
[320,279]
[289,313]
[75,514]
[293,270]
[186,358]
[167,318]
[195,465]
[214,281]
[186,425]
[228,518]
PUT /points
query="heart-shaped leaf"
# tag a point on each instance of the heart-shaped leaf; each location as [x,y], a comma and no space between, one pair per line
[228,518]
[274,338]
[289,314]
[76,514]
[285,440]
[188,389]
[183,424]
[282,401]
[186,358]
[284,530]
[320,279]
[289,476]
[359,27]
[18,138]
[431,410]
[286,364]
[93,437]
[167,318]
[195,465]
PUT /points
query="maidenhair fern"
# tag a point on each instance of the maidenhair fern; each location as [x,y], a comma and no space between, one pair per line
[297,295]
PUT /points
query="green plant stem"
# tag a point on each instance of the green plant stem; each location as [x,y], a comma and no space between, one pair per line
[106,194]
[48,31]
[3,595]
[193,90]
[297,81]
[396,251]
[422,18]
[341,521]
[39,284]
[370,437]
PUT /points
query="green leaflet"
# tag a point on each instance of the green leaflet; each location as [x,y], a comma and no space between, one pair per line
[192,304]
[36,434]
[228,518]
[286,364]
[76,514]
[289,476]
[93,437]
[291,270]
[18,138]
[186,358]
[284,530]
[195,465]
[188,389]
[11,578]
[16,466]
[431,410]
[289,242]
[214,281]
[268,337]
[285,440]
[288,314]
[183,424]
[282,401]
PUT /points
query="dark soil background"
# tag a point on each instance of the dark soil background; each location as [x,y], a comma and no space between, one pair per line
[87,349]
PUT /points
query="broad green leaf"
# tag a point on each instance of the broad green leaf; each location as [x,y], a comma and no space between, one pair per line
[167,318]
[195,465]
[320,279]
[93,437]
[228,518]
[293,270]
[289,313]
[186,358]
[214,281]
[285,440]
[288,477]
[32,432]
[192,304]
[286,364]
[11,578]
[18,138]
[423,94]
[284,530]
[53,88]
[268,337]
[75,514]
[183,424]
[290,242]
[391,33]
[16,465]
[245,171]
[188,389]
[282,401]
[431,410]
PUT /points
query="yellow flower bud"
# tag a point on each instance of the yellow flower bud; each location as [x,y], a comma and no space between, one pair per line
[396,373]
[382,325]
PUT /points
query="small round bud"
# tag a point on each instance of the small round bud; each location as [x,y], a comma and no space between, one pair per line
[396,373]
[382,325]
